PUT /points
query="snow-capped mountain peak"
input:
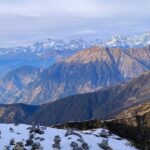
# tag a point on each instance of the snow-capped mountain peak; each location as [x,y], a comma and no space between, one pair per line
[117,41]
[128,42]
[40,47]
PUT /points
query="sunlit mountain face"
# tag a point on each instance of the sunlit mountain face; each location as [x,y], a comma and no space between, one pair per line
[85,71]
[45,53]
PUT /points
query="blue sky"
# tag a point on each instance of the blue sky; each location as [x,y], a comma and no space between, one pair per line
[25,21]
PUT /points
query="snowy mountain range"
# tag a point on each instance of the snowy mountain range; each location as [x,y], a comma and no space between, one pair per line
[43,54]
[41,47]
[128,42]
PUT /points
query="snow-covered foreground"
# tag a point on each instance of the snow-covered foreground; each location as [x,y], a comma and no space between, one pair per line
[91,137]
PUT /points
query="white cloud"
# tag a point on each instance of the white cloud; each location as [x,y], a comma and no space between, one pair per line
[25,20]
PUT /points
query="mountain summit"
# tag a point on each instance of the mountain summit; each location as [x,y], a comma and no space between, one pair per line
[128,42]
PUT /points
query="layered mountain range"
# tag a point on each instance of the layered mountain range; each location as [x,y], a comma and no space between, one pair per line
[103,104]
[40,47]
[40,54]
[45,53]
[86,71]
[55,82]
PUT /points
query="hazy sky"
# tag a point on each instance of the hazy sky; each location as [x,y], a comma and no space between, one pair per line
[25,21]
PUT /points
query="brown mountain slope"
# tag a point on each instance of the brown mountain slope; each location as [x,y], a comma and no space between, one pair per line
[130,116]
[86,71]
[16,80]
[102,104]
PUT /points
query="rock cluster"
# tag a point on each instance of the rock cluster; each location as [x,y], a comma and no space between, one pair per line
[57,141]
[71,132]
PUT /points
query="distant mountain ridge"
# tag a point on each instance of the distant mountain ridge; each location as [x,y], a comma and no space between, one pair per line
[86,71]
[128,42]
[40,47]
[47,52]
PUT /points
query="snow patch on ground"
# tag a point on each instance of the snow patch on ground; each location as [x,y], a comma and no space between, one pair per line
[91,137]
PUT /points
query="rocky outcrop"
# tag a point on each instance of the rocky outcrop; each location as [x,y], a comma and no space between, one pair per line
[138,115]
